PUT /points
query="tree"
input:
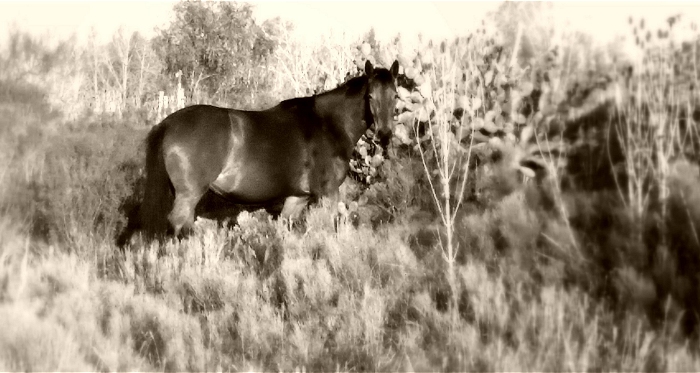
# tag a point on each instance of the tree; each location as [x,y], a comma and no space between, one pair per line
[216,45]
[122,72]
[535,18]
[29,55]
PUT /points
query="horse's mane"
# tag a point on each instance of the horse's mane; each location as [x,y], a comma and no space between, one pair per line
[351,87]
[295,102]
[357,84]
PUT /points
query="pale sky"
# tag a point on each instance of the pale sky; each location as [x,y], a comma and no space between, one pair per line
[57,19]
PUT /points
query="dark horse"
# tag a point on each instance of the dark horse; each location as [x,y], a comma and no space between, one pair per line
[295,152]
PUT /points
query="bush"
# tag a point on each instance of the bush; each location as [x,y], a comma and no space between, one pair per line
[552,271]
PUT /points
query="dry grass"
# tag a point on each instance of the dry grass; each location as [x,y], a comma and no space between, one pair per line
[355,300]
[536,289]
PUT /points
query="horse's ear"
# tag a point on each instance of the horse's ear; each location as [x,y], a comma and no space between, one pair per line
[369,69]
[394,69]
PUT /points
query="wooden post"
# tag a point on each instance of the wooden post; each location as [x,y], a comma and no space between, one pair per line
[180,94]
[161,106]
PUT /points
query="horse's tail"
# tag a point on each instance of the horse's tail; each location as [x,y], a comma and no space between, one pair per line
[158,194]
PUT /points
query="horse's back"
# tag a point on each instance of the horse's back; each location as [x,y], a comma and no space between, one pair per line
[196,123]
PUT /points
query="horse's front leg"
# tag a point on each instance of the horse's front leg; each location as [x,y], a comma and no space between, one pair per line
[341,210]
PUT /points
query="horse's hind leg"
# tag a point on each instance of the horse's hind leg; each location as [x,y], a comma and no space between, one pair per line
[189,189]
[190,173]
[182,216]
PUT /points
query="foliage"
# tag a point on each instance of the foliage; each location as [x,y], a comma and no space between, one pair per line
[30,55]
[550,272]
[217,46]
[306,67]
[123,74]
[37,62]
[539,29]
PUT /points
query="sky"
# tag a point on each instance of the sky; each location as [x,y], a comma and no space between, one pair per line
[436,20]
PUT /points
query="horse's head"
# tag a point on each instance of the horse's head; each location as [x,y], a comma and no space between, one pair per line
[382,99]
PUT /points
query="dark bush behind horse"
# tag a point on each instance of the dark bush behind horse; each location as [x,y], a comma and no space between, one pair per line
[293,153]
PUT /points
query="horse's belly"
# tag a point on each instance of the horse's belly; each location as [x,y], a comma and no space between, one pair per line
[251,182]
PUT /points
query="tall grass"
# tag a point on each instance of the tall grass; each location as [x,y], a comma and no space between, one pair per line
[534,282]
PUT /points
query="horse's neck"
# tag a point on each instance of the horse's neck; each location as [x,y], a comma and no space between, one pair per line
[346,109]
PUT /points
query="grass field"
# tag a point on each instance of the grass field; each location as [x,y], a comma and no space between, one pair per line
[546,278]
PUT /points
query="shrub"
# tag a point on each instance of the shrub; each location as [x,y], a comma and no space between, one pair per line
[30,343]
[256,243]
[551,270]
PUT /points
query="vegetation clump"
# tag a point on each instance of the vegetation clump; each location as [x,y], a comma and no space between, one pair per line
[538,208]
